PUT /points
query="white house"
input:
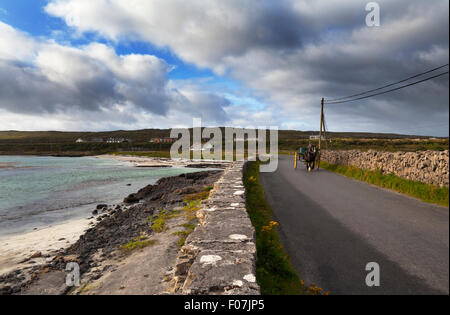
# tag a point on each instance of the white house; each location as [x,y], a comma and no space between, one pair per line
[316,137]
[198,147]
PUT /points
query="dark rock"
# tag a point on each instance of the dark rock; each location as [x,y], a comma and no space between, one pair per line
[95,212]
[101,206]
[36,255]
[131,199]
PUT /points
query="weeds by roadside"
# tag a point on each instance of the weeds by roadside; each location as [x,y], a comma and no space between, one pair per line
[141,241]
[274,272]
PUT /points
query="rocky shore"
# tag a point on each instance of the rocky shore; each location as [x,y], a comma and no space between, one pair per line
[112,227]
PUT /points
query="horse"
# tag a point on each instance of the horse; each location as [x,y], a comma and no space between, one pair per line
[310,157]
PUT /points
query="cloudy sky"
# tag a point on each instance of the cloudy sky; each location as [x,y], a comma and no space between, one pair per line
[112,64]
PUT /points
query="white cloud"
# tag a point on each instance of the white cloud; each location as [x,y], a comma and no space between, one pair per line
[15,45]
[293,52]
[90,83]
[288,53]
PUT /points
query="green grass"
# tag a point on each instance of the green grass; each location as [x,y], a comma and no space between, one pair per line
[132,245]
[209,188]
[288,146]
[274,272]
[159,222]
[63,143]
[197,196]
[183,236]
[190,209]
[422,191]
[188,226]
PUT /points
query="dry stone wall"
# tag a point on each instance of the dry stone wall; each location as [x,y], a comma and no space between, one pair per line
[219,257]
[429,167]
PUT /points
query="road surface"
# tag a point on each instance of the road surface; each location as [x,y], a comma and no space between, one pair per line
[332,226]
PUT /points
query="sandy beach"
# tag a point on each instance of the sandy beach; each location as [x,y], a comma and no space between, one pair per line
[163,162]
[15,250]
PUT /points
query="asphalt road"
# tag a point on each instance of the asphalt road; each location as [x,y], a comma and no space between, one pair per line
[332,226]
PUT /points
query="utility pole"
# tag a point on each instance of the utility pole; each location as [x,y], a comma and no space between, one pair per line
[320,134]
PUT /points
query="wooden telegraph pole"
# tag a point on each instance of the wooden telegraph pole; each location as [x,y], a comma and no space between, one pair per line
[320,134]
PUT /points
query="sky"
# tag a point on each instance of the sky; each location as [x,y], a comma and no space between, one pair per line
[94,65]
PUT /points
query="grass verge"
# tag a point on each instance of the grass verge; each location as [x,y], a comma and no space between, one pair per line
[274,272]
[422,191]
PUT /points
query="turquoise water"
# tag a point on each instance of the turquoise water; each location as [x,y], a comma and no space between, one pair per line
[40,191]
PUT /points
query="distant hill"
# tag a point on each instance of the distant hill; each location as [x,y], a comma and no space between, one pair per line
[147,134]
[64,143]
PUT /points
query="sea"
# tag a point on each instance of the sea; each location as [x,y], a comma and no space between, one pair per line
[37,192]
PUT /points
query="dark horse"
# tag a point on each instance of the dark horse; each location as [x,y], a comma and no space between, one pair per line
[310,157]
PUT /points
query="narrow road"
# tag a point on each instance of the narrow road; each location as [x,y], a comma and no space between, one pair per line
[332,226]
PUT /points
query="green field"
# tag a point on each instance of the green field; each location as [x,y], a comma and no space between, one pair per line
[64,143]
[389,145]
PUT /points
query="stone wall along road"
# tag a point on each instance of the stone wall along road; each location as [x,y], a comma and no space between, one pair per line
[429,167]
[219,257]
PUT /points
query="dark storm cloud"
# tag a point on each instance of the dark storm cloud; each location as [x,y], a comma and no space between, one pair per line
[294,52]
[290,53]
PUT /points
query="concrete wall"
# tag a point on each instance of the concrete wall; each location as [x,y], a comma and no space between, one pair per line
[219,257]
[429,167]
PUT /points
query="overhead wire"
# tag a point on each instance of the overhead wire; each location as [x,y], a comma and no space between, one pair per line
[388,85]
[388,91]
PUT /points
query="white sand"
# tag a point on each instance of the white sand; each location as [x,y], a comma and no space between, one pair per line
[16,248]
[155,162]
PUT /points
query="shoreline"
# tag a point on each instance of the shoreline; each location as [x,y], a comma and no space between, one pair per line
[16,250]
[24,256]
[142,161]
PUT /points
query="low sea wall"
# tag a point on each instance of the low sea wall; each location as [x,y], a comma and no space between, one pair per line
[219,257]
[429,167]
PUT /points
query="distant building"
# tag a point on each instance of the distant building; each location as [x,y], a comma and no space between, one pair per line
[117,140]
[204,147]
[246,139]
[162,140]
[95,139]
[316,137]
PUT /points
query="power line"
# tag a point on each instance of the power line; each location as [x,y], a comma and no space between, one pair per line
[384,92]
[388,85]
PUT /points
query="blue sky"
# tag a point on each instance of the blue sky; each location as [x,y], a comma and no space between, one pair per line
[263,64]
[29,16]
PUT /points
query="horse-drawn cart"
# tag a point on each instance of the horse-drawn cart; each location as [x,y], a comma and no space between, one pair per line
[307,156]
[301,153]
